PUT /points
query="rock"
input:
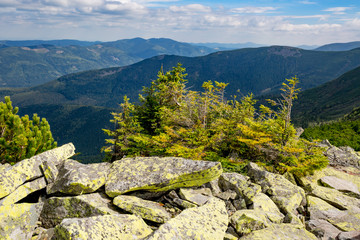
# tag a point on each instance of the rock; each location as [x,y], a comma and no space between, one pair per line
[29,169]
[214,186]
[50,171]
[339,184]
[183,203]
[287,196]
[76,178]
[343,156]
[280,232]
[294,220]
[58,208]
[158,174]
[322,229]
[227,195]
[240,184]
[43,234]
[18,221]
[23,191]
[336,198]
[229,236]
[198,196]
[3,167]
[117,226]
[344,220]
[148,210]
[209,221]
[353,235]
[263,203]
[248,220]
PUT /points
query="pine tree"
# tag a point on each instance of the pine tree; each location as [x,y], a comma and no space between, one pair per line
[21,137]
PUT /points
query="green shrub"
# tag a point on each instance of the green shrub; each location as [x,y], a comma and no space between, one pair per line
[21,137]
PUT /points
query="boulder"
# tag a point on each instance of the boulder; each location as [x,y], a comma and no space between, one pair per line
[198,196]
[240,184]
[117,226]
[280,232]
[158,174]
[29,169]
[339,184]
[23,191]
[209,221]
[322,229]
[76,178]
[18,221]
[148,210]
[353,235]
[261,202]
[287,196]
[344,220]
[343,156]
[248,220]
[58,208]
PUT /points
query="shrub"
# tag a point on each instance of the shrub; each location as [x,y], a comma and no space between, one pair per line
[21,137]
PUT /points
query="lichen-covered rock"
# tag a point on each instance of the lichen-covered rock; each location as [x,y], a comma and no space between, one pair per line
[339,184]
[43,234]
[50,171]
[198,196]
[342,219]
[158,174]
[118,226]
[323,229]
[29,169]
[209,221]
[57,208]
[262,202]
[76,178]
[248,220]
[343,156]
[336,198]
[148,210]
[280,232]
[240,184]
[353,235]
[287,196]
[18,221]
[23,191]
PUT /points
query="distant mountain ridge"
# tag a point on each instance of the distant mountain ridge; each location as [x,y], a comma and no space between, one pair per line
[339,46]
[30,63]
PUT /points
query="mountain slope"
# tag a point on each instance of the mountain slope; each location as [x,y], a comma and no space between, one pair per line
[26,66]
[259,70]
[329,101]
[339,46]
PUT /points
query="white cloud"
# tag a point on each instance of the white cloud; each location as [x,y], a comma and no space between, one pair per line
[190,8]
[253,9]
[337,10]
[307,2]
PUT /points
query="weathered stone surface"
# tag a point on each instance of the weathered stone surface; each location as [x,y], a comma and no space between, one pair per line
[322,229]
[158,174]
[227,195]
[148,210]
[23,191]
[3,167]
[336,198]
[116,226]
[353,235]
[209,221]
[285,195]
[76,178]
[229,236]
[339,184]
[198,196]
[18,221]
[248,220]
[50,171]
[184,203]
[262,202]
[240,184]
[344,220]
[280,232]
[57,208]
[29,169]
[43,234]
[343,156]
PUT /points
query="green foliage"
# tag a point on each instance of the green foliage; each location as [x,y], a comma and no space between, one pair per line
[174,121]
[21,137]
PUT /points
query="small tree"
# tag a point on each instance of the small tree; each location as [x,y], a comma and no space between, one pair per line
[21,137]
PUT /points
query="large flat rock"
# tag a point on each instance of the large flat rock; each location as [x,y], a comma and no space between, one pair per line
[158,174]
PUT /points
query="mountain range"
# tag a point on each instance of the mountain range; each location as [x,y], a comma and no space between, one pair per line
[339,46]
[30,63]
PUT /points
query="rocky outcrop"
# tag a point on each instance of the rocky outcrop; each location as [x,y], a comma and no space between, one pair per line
[172,198]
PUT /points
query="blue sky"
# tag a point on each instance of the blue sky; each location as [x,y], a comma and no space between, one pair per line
[297,22]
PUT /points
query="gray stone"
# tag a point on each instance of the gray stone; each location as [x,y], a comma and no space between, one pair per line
[198,196]
[158,174]
[344,156]
[76,178]
[322,229]
[339,184]
[353,235]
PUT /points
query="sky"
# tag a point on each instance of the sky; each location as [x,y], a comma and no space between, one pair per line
[275,22]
